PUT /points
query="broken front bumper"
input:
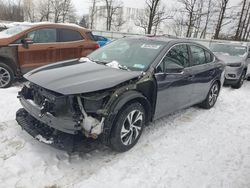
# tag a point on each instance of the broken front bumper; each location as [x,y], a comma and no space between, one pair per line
[53,137]
[61,123]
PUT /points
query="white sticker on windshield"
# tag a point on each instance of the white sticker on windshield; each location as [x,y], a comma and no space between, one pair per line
[151,46]
[139,66]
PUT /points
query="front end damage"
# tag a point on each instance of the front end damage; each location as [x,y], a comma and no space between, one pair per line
[69,121]
[58,119]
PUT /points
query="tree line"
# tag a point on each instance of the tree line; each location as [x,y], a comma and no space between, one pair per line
[37,11]
[219,19]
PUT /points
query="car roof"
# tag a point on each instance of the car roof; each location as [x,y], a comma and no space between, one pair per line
[166,39]
[44,24]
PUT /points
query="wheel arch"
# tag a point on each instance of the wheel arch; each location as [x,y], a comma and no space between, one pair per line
[130,97]
[125,99]
[10,63]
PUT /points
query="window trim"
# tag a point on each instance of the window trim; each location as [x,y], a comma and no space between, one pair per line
[214,58]
[178,44]
[191,55]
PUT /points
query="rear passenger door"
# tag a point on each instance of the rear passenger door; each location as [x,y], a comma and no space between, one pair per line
[71,44]
[203,70]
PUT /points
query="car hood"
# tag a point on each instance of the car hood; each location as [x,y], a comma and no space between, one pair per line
[75,77]
[229,59]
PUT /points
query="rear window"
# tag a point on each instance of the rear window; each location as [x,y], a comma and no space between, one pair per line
[67,35]
[209,57]
[198,55]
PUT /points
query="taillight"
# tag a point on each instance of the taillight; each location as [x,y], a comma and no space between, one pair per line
[97,46]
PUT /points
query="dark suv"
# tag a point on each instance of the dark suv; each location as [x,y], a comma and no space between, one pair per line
[117,90]
[27,46]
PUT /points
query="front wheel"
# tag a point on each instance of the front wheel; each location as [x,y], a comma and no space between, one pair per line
[6,76]
[240,81]
[128,128]
[212,96]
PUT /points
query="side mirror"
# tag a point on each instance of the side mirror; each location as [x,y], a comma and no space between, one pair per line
[173,68]
[26,42]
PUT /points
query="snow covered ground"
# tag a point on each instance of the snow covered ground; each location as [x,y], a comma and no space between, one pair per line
[192,148]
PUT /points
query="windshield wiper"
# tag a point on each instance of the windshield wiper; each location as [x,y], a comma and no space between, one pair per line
[100,62]
[123,67]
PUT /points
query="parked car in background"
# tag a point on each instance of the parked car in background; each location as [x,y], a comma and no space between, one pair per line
[2,27]
[248,72]
[102,41]
[117,90]
[28,46]
[236,56]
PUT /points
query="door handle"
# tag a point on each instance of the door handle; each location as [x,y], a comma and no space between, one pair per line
[51,48]
[190,77]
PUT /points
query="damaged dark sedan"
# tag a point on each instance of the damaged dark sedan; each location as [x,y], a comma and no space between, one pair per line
[117,90]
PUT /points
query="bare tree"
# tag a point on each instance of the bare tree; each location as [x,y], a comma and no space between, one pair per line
[119,21]
[241,22]
[154,14]
[45,10]
[29,10]
[57,11]
[84,21]
[247,23]
[93,11]
[208,14]
[223,7]
[112,8]
[190,9]
[11,10]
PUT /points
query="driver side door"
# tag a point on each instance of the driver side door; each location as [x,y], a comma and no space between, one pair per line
[41,52]
[174,88]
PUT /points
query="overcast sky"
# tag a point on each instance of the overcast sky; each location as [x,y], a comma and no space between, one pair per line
[82,6]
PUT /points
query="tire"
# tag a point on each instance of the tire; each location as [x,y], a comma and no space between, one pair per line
[212,96]
[6,76]
[248,78]
[126,133]
[240,81]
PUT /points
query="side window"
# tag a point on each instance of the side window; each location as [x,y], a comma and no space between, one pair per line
[209,57]
[67,35]
[43,36]
[177,55]
[198,55]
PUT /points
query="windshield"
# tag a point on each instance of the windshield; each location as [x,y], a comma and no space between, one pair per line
[134,54]
[14,30]
[229,49]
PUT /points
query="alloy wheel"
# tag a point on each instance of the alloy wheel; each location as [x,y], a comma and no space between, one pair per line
[214,92]
[132,127]
[242,78]
[5,77]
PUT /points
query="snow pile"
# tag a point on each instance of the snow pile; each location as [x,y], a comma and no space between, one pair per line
[192,148]
[9,103]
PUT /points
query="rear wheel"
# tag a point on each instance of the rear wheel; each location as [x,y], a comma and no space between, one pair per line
[240,81]
[212,96]
[128,127]
[6,76]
